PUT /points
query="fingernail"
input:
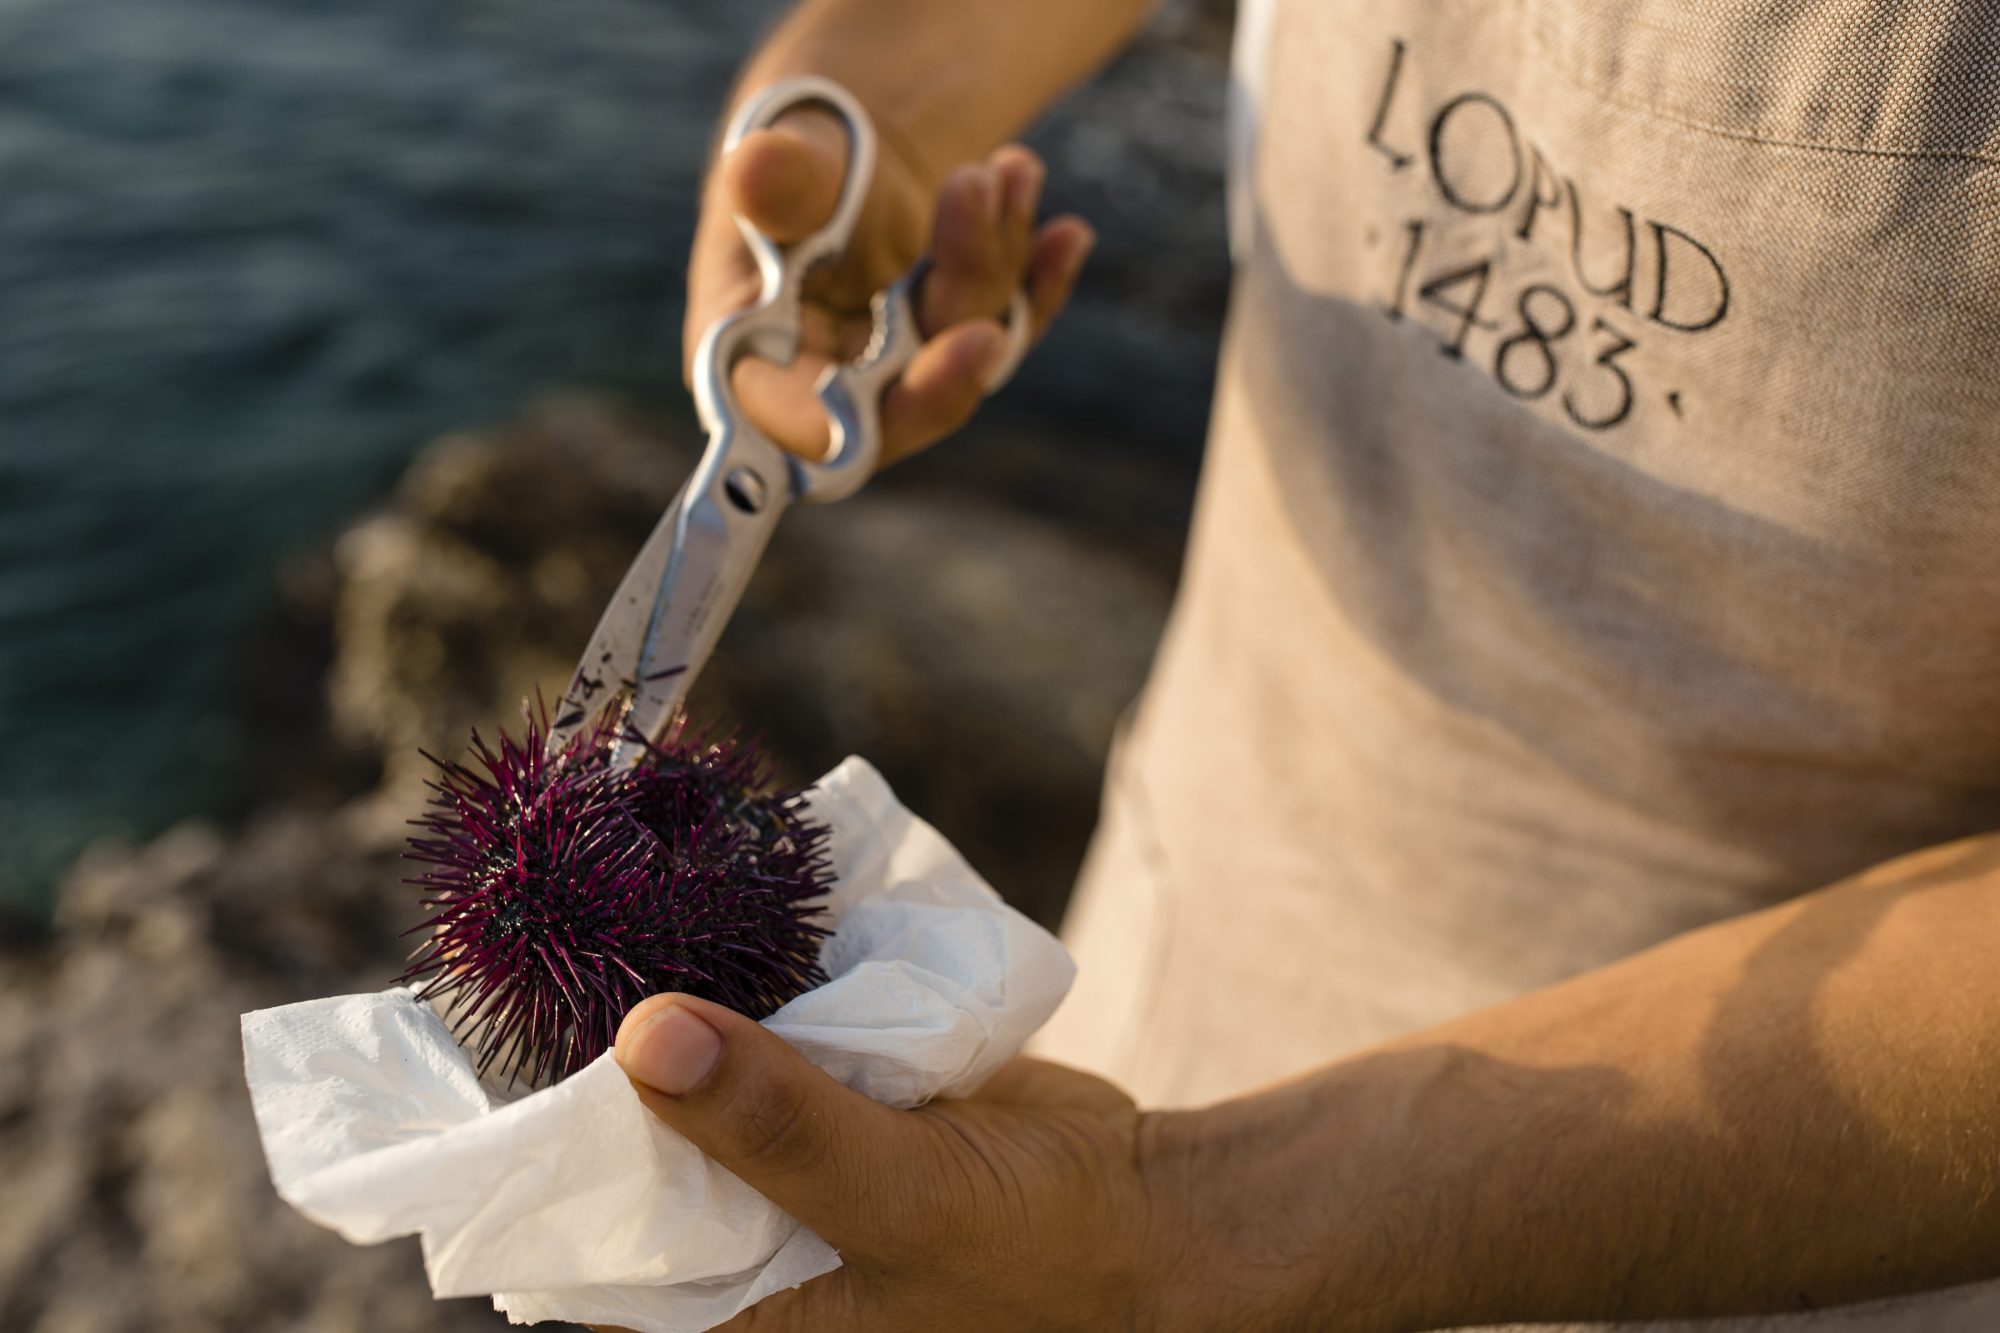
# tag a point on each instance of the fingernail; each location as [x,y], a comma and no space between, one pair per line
[1022,184]
[673,1052]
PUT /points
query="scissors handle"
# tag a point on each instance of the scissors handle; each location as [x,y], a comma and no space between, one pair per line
[851,391]
[771,328]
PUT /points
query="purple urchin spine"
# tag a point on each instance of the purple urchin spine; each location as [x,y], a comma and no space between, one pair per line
[561,891]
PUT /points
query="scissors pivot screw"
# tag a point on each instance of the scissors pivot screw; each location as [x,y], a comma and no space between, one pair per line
[746,490]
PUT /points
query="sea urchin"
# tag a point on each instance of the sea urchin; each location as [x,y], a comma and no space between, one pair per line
[562,891]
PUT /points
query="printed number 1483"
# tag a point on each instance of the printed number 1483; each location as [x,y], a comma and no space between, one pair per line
[1524,363]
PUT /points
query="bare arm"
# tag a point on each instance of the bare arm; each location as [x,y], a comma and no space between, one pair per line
[1790,1110]
[949,80]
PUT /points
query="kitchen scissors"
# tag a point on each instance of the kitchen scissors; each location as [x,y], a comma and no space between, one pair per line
[664,620]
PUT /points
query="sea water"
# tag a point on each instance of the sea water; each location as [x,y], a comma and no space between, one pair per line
[252,254]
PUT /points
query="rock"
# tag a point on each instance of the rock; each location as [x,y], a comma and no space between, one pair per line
[485,575]
[137,1196]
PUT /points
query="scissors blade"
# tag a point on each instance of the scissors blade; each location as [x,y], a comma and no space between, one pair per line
[663,621]
[717,548]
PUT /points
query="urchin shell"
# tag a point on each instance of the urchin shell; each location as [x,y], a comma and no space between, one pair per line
[562,891]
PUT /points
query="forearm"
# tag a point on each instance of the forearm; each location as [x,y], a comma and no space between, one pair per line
[1792,1109]
[948,80]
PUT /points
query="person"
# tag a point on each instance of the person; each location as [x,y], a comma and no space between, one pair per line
[1547,877]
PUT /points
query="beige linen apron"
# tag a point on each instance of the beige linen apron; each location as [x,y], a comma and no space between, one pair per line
[1601,530]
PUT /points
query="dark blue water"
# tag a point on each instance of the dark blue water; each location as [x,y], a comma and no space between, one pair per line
[252,255]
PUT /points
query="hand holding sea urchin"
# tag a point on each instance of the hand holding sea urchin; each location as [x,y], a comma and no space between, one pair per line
[562,891]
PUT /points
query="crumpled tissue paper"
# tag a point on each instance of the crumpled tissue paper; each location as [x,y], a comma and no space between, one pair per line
[573,1202]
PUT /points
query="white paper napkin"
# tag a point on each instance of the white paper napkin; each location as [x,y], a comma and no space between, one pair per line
[574,1202]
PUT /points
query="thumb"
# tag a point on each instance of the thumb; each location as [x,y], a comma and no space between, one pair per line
[786,179]
[740,1093]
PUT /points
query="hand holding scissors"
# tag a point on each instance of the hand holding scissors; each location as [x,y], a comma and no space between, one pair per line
[663,621]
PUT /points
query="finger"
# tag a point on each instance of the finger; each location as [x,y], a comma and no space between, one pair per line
[782,400]
[968,277]
[786,180]
[741,1094]
[1021,175]
[941,387]
[983,238]
[1061,247]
